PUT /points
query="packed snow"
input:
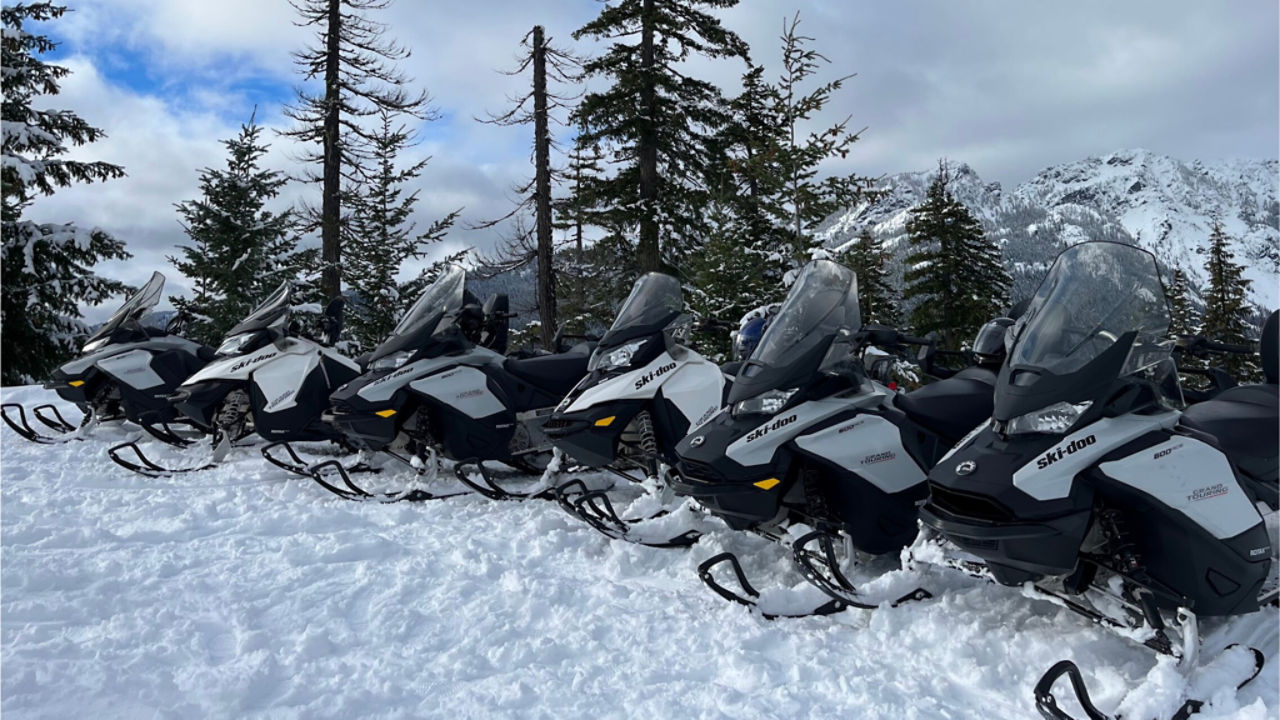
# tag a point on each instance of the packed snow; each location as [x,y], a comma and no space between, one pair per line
[245,592]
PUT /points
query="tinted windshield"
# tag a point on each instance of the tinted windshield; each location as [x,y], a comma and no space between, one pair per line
[442,299]
[655,301]
[137,305]
[275,307]
[823,300]
[1094,293]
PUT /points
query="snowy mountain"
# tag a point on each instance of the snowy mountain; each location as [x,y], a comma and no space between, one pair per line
[1163,204]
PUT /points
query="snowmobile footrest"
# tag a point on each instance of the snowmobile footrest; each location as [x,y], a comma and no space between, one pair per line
[749,596]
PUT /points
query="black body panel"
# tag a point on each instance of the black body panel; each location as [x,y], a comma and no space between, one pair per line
[593,445]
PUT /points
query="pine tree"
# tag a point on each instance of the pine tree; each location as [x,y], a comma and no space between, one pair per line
[380,215]
[547,62]
[240,250]
[655,121]
[357,68]
[46,269]
[1180,304]
[877,298]
[954,273]
[1226,306]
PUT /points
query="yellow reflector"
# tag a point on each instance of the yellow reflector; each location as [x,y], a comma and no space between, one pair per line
[605,422]
[766,484]
[385,413]
[75,383]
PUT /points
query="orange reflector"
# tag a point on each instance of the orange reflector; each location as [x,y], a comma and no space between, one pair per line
[75,383]
[606,422]
[385,413]
[767,484]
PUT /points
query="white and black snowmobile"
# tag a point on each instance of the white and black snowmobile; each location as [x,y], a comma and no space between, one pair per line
[440,385]
[807,438]
[269,379]
[645,390]
[1091,489]
[125,372]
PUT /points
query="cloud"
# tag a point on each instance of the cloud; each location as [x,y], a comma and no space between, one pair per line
[1010,88]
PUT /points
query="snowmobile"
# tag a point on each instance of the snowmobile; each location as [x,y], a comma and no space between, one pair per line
[269,379]
[806,438]
[1089,488]
[125,372]
[432,390]
[645,390]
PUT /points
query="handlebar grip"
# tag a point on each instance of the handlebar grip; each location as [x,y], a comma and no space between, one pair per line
[1230,348]
[913,340]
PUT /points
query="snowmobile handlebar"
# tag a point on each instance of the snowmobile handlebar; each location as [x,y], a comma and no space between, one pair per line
[887,336]
[1200,346]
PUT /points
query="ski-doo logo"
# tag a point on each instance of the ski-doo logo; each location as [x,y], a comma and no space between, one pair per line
[392,376]
[775,425]
[1166,451]
[1205,493]
[651,376]
[850,426]
[879,457]
[1070,448]
[279,399]
[252,361]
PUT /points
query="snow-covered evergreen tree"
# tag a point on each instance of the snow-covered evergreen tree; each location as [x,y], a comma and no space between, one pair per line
[240,250]
[655,121]
[1226,306]
[877,298]
[380,217]
[1183,317]
[46,269]
[954,273]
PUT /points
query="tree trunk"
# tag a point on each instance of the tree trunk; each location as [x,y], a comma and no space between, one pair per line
[542,191]
[648,255]
[331,205]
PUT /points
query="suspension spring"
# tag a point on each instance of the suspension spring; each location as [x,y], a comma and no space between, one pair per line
[814,496]
[1120,541]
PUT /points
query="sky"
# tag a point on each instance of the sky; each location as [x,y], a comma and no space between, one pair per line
[1009,87]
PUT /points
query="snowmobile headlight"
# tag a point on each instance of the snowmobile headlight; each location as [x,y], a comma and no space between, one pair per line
[615,358]
[236,343]
[766,403]
[392,361]
[1054,419]
[95,345]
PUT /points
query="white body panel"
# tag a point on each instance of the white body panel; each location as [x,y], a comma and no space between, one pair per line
[132,368]
[462,388]
[693,384]
[1193,478]
[280,380]
[153,345]
[383,388]
[758,446]
[240,367]
[1049,477]
[870,446]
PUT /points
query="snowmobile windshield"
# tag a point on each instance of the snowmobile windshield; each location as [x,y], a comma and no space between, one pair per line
[1095,293]
[137,305]
[275,307]
[822,304]
[442,300]
[655,300]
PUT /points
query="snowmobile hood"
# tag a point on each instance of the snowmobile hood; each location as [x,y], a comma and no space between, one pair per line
[1100,314]
[130,312]
[812,333]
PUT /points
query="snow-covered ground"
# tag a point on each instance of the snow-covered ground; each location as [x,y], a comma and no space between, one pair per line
[244,592]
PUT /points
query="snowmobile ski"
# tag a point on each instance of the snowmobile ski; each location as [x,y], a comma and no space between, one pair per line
[298,465]
[66,431]
[1047,703]
[594,508]
[822,569]
[143,465]
[322,472]
[487,487]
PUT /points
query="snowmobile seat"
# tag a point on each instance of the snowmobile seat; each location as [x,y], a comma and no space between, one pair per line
[1245,420]
[206,353]
[954,406]
[557,374]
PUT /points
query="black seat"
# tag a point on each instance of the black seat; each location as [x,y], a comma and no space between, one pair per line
[557,374]
[952,407]
[1246,419]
